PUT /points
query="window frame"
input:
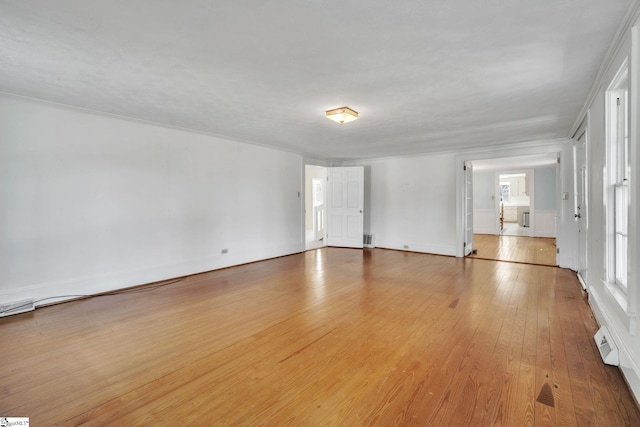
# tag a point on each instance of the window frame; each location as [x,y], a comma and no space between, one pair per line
[616,191]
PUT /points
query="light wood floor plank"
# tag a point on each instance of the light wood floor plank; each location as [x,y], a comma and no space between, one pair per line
[561,387]
[531,250]
[328,337]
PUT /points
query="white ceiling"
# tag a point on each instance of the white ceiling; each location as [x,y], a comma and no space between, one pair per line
[425,75]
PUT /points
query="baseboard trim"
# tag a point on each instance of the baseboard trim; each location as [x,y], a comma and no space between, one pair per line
[79,287]
[425,249]
[628,366]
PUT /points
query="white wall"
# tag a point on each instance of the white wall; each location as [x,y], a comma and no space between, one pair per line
[485,214]
[545,201]
[410,201]
[90,203]
[622,323]
[417,201]
[545,187]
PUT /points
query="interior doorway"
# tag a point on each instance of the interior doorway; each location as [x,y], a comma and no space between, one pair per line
[515,192]
[468,208]
[509,222]
[315,218]
[521,249]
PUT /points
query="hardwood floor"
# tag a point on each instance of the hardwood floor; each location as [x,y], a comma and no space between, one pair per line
[327,337]
[533,250]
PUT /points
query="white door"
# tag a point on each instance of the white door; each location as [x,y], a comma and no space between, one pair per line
[580,170]
[468,208]
[345,204]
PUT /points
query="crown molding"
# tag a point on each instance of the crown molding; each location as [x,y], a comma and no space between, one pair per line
[633,13]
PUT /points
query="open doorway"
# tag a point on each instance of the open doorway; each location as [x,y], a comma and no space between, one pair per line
[514,203]
[515,208]
[315,206]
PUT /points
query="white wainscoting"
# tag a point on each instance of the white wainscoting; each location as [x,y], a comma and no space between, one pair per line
[484,221]
[545,223]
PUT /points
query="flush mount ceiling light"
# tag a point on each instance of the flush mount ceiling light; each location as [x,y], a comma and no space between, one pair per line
[342,115]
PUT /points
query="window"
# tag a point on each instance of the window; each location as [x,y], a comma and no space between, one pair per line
[617,182]
[505,191]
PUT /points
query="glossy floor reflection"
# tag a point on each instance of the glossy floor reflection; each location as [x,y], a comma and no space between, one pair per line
[532,250]
[331,337]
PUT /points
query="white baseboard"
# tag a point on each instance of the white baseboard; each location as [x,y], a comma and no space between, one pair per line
[581,280]
[628,363]
[414,247]
[547,235]
[484,231]
[64,290]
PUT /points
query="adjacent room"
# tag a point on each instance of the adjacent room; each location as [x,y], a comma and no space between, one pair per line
[312,213]
[515,209]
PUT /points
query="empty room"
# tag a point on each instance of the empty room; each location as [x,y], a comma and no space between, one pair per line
[319,213]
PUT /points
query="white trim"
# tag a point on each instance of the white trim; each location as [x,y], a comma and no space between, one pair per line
[516,149]
[555,146]
[582,240]
[619,85]
[91,285]
[416,247]
[633,13]
[617,294]
[633,290]
[581,280]
[147,122]
[628,365]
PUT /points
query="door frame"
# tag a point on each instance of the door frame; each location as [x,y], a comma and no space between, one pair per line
[556,146]
[468,208]
[582,242]
[344,212]
[303,195]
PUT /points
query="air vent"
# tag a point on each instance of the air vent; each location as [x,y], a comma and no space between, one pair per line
[606,346]
[16,307]
[368,241]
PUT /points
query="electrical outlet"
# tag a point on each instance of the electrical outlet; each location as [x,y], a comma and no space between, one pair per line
[224,251]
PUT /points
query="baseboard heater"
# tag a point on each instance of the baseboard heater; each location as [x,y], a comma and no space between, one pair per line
[606,346]
[17,307]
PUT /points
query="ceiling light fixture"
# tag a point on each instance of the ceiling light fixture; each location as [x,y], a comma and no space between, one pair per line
[342,115]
